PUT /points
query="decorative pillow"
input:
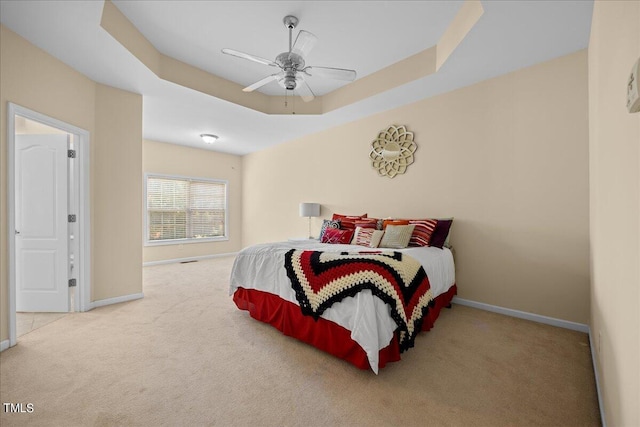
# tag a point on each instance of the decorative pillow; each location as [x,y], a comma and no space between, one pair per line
[423,232]
[394,222]
[440,236]
[369,237]
[328,223]
[397,236]
[366,223]
[347,222]
[335,236]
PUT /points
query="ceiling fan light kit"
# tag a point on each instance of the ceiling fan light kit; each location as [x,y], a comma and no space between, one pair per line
[292,64]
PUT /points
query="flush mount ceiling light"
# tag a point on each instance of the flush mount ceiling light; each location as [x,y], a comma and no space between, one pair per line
[209,138]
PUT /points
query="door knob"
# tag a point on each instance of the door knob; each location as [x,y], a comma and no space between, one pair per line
[17,232]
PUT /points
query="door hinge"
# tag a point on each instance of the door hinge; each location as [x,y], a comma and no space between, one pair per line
[72,283]
[71,218]
[71,154]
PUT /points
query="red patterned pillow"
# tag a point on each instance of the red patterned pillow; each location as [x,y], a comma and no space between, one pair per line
[347,222]
[335,236]
[422,232]
[328,223]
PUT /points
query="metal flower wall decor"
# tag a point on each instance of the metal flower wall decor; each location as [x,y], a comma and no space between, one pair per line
[392,151]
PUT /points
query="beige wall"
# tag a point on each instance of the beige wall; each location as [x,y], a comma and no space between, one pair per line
[508,158]
[615,209]
[33,79]
[116,194]
[161,158]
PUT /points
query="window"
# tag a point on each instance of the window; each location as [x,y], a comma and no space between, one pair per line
[183,209]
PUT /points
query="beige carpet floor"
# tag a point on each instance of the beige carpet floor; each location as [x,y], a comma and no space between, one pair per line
[186,356]
[27,322]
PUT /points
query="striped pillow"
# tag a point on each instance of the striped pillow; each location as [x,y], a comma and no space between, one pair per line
[397,236]
[422,232]
[369,237]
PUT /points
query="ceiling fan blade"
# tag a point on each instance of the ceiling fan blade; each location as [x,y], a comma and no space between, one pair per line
[303,89]
[304,43]
[332,73]
[262,82]
[249,57]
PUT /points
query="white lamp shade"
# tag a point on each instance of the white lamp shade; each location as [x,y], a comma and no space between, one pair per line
[309,209]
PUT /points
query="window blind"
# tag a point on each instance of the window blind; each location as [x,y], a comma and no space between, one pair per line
[185,208]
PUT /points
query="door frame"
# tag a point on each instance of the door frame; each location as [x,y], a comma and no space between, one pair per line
[80,191]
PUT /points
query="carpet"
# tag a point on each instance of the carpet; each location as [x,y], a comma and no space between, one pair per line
[185,355]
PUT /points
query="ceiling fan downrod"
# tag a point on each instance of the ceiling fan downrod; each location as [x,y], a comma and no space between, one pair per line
[290,62]
[290,22]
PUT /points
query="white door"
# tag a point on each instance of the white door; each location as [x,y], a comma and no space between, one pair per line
[41,223]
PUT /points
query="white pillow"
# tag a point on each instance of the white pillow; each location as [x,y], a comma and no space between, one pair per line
[397,236]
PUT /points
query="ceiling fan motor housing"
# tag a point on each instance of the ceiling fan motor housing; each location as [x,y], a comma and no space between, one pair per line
[290,62]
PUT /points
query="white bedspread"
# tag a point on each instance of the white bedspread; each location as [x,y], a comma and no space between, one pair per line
[261,267]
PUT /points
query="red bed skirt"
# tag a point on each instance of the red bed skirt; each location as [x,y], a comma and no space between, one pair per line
[324,334]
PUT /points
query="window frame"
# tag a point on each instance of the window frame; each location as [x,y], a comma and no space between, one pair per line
[187,240]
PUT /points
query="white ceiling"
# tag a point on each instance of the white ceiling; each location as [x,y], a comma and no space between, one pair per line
[345,34]
[362,35]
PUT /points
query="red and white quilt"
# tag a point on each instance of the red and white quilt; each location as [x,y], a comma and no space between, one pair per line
[321,279]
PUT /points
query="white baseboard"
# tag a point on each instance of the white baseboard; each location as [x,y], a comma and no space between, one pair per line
[524,315]
[4,345]
[195,258]
[116,300]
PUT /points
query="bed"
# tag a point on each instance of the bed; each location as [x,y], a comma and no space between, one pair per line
[360,328]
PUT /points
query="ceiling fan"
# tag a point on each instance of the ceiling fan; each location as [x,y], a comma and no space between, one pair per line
[292,64]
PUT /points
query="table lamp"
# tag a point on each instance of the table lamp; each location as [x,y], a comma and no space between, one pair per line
[309,210]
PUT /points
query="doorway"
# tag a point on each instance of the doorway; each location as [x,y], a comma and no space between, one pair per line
[48,215]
